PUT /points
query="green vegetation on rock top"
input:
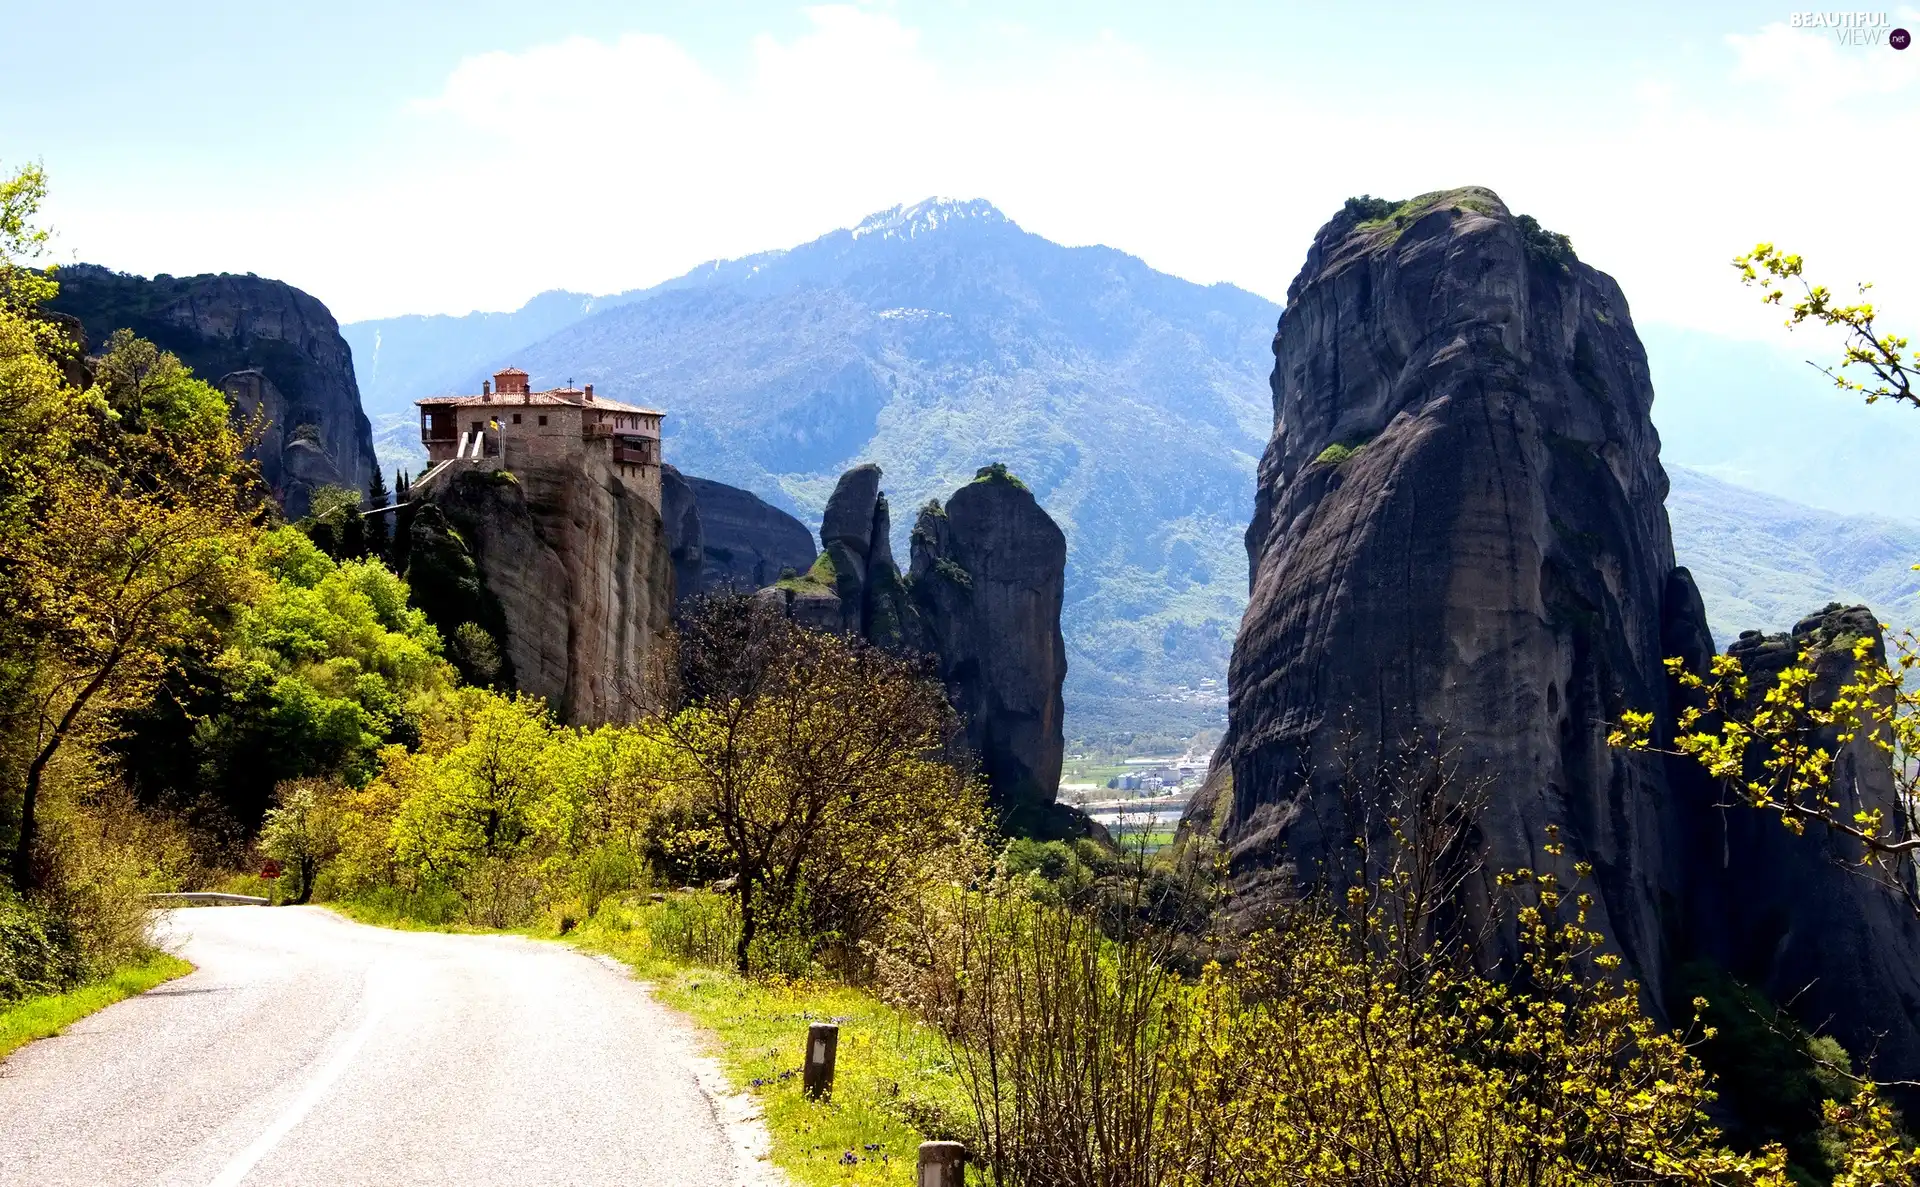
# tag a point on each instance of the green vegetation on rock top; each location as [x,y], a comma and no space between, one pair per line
[997,472]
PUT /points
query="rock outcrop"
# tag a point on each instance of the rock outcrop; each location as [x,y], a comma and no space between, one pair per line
[989,574]
[983,600]
[275,350]
[1785,913]
[1459,533]
[1458,527]
[727,538]
[579,564]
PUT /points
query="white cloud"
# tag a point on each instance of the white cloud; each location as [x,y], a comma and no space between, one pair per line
[603,165]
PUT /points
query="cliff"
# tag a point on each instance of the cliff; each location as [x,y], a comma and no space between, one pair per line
[579,566]
[982,600]
[727,538]
[1458,530]
[274,349]
[1459,534]
[1785,913]
[988,576]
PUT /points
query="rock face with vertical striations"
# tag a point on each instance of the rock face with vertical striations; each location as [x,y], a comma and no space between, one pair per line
[580,566]
[275,350]
[1459,526]
[988,575]
[727,538]
[1459,530]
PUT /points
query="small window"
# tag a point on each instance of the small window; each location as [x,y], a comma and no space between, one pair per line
[516,418]
[543,420]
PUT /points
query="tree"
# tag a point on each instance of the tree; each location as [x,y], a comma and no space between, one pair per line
[816,756]
[303,831]
[1776,748]
[377,524]
[23,288]
[130,515]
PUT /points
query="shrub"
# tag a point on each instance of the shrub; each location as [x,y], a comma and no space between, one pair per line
[37,953]
[699,926]
[1367,209]
[1544,246]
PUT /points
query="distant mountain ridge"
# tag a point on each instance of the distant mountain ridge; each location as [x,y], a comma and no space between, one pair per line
[1763,562]
[400,359]
[934,338]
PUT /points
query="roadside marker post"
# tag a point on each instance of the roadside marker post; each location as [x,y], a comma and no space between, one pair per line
[816,1071]
[942,1164]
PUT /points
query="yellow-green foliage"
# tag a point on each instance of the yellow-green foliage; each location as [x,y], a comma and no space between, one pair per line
[819,577]
[501,809]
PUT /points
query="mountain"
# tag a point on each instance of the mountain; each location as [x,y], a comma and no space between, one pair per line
[939,337]
[1755,414]
[1762,562]
[400,359]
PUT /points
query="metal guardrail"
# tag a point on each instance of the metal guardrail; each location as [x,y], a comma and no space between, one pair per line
[206,898]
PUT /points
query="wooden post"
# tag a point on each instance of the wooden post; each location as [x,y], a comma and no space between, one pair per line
[942,1164]
[823,1043]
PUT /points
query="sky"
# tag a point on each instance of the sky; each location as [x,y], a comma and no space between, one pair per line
[395,157]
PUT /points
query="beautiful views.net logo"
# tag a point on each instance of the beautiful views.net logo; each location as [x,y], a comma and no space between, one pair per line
[1854,28]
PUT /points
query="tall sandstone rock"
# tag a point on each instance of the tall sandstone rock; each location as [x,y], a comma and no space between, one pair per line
[275,350]
[1786,913]
[983,598]
[1459,528]
[579,564]
[989,575]
[727,538]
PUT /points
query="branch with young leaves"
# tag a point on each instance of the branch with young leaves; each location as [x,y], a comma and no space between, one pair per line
[1885,356]
[1777,752]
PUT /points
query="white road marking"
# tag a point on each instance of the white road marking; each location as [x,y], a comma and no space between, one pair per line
[236,1171]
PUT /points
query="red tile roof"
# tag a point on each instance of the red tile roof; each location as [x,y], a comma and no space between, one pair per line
[560,396]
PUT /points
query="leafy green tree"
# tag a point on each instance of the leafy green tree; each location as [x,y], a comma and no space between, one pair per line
[303,831]
[131,509]
[482,798]
[378,523]
[327,665]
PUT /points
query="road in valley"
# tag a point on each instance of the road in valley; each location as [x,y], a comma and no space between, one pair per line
[309,1051]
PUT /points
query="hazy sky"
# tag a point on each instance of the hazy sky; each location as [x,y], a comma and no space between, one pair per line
[424,157]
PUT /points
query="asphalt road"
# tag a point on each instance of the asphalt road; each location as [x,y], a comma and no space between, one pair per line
[307,1050]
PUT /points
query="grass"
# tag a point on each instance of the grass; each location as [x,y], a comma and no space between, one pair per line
[894,1083]
[43,1017]
[820,577]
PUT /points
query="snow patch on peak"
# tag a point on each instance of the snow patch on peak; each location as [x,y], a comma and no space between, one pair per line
[927,216]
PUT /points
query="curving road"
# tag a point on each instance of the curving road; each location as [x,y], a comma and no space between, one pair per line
[308,1050]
